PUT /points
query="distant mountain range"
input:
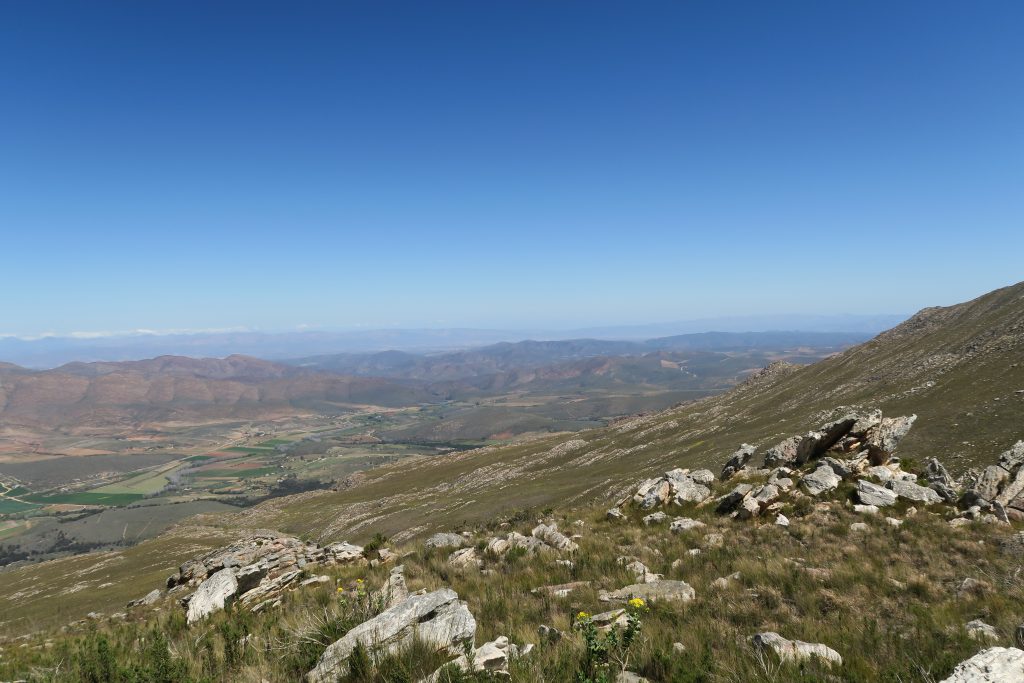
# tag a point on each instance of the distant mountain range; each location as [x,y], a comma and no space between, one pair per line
[91,395]
[52,351]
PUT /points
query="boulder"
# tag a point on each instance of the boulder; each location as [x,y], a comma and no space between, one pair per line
[549,533]
[936,473]
[866,509]
[615,515]
[783,453]
[345,553]
[704,477]
[148,599]
[979,630]
[731,500]
[738,460]
[445,540]
[873,494]
[438,620]
[782,520]
[795,650]
[652,493]
[748,507]
[1013,458]
[821,480]
[908,490]
[630,677]
[663,590]
[689,491]
[607,620]
[682,524]
[548,634]
[394,589]
[655,518]
[883,439]
[994,665]
[212,595]
[990,482]
[464,558]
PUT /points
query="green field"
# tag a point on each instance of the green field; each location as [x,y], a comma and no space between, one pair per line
[8,506]
[85,498]
[255,450]
[237,473]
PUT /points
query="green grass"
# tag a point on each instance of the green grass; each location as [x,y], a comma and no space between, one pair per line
[253,450]
[198,458]
[238,473]
[8,506]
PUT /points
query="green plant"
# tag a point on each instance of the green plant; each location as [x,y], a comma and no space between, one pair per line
[608,654]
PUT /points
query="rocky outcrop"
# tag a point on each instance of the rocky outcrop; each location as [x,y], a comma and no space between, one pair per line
[490,658]
[994,665]
[1002,483]
[794,650]
[212,595]
[738,460]
[438,620]
[883,439]
[675,487]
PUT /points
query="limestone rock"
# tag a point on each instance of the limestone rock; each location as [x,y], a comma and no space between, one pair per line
[994,665]
[783,453]
[795,650]
[738,461]
[908,490]
[731,500]
[394,589]
[872,494]
[655,518]
[667,590]
[630,677]
[615,515]
[821,480]
[212,595]
[681,524]
[445,540]
[782,520]
[148,599]
[464,558]
[883,439]
[979,630]
[438,619]
[549,533]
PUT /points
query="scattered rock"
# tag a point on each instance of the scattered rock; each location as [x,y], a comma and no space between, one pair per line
[782,520]
[550,535]
[148,599]
[883,439]
[445,540]
[979,630]
[795,650]
[866,509]
[681,524]
[615,515]
[655,518]
[731,500]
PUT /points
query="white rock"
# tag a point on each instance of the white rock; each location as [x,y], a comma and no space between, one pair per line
[994,665]
[795,650]
[438,619]
[212,594]
[681,524]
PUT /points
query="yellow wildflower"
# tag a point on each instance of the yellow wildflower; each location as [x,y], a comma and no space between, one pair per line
[582,615]
[359,580]
[637,603]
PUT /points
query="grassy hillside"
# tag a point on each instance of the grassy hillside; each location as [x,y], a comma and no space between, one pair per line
[959,368]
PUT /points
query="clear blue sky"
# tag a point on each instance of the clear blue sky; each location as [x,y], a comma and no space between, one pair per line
[268,165]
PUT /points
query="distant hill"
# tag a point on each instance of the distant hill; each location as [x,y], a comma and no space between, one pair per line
[52,351]
[237,386]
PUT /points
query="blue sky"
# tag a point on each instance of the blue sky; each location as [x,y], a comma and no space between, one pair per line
[175,165]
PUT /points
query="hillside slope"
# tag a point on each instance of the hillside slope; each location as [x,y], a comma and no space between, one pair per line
[961,369]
